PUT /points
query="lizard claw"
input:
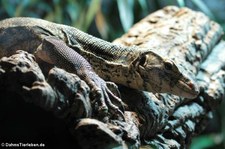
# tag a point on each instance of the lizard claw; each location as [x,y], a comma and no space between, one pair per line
[106,103]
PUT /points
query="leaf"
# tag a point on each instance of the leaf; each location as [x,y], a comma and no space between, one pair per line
[58,14]
[125,8]
[92,10]
[49,16]
[181,3]
[80,21]
[21,8]
[144,6]
[204,8]
[72,10]
[206,141]
[101,24]
[9,8]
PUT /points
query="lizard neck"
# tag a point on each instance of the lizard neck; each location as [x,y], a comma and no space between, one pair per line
[100,48]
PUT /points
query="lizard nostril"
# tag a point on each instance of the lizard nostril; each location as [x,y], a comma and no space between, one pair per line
[191,85]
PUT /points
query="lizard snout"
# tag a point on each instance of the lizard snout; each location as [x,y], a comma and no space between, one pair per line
[194,87]
[190,89]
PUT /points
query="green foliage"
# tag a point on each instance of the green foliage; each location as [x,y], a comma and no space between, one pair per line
[76,13]
[181,3]
[207,141]
[201,5]
[108,18]
[126,13]
[105,18]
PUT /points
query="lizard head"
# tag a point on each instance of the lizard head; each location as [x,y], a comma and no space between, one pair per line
[161,75]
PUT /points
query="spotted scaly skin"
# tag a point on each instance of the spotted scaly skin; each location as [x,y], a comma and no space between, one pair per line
[137,68]
[55,51]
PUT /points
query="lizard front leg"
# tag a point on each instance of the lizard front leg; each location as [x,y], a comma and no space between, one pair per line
[55,51]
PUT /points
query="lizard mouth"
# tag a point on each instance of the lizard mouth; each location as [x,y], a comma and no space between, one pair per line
[190,89]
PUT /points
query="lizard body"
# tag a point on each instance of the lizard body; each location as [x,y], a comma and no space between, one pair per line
[137,68]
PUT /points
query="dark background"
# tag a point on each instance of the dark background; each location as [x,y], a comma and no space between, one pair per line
[107,19]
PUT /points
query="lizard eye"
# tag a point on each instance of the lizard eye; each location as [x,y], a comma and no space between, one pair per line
[143,60]
[168,65]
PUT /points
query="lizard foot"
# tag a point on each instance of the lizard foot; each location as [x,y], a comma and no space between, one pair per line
[107,104]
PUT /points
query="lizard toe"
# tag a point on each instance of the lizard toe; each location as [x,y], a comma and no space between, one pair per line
[115,100]
[98,97]
[106,104]
[114,110]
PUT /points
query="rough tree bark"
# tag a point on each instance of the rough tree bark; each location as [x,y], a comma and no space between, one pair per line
[166,121]
[194,41]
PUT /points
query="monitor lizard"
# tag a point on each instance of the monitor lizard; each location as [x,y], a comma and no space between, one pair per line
[94,59]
